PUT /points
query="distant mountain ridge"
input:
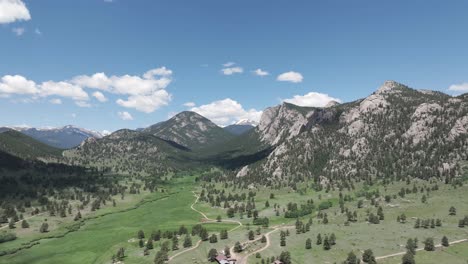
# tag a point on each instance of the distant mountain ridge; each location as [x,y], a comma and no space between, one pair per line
[63,137]
[240,127]
[189,129]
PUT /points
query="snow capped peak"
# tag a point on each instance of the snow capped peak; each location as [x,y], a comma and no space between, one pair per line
[246,122]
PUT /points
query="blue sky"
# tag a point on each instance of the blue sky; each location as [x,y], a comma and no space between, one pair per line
[325,50]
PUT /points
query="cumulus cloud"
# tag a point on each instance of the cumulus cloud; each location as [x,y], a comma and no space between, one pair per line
[56,101]
[227,111]
[100,97]
[463,87]
[291,76]
[260,72]
[189,104]
[147,103]
[17,84]
[13,10]
[312,99]
[232,70]
[125,116]
[144,93]
[63,89]
[19,31]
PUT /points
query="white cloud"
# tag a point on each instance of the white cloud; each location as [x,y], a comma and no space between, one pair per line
[37,31]
[312,99]
[147,103]
[146,93]
[97,81]
[260,72]
[17,84]
[63,89]
[13,10]
[73,115]
[56,101]
[463,87]
[227,111]
[163,71]
[100,97]
[82,104]
[232,70]
[189,104]
[291,76]
[19,31]
[229,64]
[125,116]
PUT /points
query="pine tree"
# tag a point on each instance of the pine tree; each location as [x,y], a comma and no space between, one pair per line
[149,244]
[263,239]
[351,259]
[12,225]
[445,241]
[212,254]
[368,257]
[213,238]
[411,246]
[24,224]
[308,244]
[238,247]
[452,211]
[429,244]
[251,235]
[141,243]
[408,258]
[44,228]
[187,241]
[140,234]
[326,243]
[319,239]
[175,243]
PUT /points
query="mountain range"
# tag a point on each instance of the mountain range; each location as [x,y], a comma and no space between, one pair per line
[62,137]
[395,132]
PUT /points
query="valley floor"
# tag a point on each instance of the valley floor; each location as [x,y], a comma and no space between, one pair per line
[98,239]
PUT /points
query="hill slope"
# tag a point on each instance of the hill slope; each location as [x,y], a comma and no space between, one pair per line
[25,147]
[131,151]
[191,130]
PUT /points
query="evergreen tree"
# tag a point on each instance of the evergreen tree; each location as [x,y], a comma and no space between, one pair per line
[408,258]
[24,224]
[445,241]
[308,244]
[263,239]
[411,246]
[326,243]
[44,228]
[141,243]
[213,238]
[212,254]
[429,244]
[319,239]
[175,243]
[452,211]
[149,244]
[285,257]
[187,241]
[238,247]
[351,259]
[368,257]
[251,235]
[140,234]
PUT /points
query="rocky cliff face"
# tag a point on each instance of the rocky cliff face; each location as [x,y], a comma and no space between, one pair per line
[395,132]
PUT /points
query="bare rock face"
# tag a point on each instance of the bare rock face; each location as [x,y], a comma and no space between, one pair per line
[280,122]
[422,121]
[243,172]
[331,104]
[460,128]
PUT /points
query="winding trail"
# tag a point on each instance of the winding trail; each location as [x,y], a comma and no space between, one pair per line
[208,220]
[244,259]
[419,249]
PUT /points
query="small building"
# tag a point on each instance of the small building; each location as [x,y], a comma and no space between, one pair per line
[222,259]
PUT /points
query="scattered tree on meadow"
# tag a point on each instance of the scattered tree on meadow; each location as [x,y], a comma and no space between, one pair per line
[308,244]
[187,241]
[212,254]
[368,257]
[238,247]
[445,241]
[429,244]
